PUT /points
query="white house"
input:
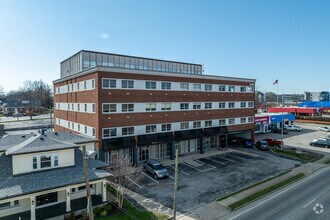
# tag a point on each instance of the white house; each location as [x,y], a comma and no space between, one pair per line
[42,175]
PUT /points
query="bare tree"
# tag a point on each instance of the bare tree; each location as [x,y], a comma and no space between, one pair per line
[37,90]
[124,178]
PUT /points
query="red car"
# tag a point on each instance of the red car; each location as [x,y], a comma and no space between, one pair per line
[273,142]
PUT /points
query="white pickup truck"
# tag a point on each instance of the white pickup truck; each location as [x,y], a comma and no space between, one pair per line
[293,128]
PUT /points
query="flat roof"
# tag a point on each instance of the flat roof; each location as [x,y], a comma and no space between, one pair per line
[150,72]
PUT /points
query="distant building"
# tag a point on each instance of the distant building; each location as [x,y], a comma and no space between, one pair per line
[291,98]
[317,96]
[24,107]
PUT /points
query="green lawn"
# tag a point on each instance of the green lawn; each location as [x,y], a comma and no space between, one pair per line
[327,162]
[265,191]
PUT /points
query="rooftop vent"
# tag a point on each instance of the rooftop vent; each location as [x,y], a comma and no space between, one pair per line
[56,133]
[23,136]
[41,138]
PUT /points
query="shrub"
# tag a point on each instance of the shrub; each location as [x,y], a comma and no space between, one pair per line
[97,211]
[108,208]
[72,216]
[104,212]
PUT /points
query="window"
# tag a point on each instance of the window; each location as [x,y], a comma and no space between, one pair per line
[166,127]
[68,124]
[184,125]
[109,108]
[109,83]
[127,131]
[231,89]
[150,85]
[68,88]
[243,120]
[34,163]
[222,122]
[94,132]
[93,108]
[85,129]
[78,127]
[127,84]
[208,105]
[208,87]
[197,87]
[78,107]
[231,105]
[196,124]
[85,85]
[250,119]
[109,132]
[184,86]
[78,86]
[68,106]
[166,106]
[44,161]
[197,105]
[231,121]
[222,88]
[72,87]
[93,83]
[243,104]
[127,107]
[184,106]
[222,105]
[243,88]
[166,85]
[85,107]
[72,107]
[150,107]
[249,88]
[208,123]
[72,125]
[250,104]
[151,128]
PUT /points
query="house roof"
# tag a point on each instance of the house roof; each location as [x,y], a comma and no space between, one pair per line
[22,104]
[9,141]
[70,137]
[12,186]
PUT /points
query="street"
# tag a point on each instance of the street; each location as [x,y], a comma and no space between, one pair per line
[309,198]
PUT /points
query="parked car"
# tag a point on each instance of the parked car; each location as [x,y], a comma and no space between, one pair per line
[324,128]
[279,131]
[155,168]
[262,145]
[320,143]
[273,142]
[293,128]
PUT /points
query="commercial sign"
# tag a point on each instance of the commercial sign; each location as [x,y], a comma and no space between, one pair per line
[262,120]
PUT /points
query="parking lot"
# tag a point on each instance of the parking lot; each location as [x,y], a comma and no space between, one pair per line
[299,139]
[206,179]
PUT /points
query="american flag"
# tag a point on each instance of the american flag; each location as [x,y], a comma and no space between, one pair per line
[276,82]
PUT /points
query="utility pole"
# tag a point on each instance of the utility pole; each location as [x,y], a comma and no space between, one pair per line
[88,190]
[175,181]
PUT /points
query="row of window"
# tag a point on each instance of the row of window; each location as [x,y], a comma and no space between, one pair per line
[111,108]
[44,161]
[153,85]
[76,126]
[76,87]
[80,107]
[91,59]
[112,132]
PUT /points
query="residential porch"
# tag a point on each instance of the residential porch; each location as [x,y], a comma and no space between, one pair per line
[57,209]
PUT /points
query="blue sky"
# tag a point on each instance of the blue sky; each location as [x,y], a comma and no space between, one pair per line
[265,40]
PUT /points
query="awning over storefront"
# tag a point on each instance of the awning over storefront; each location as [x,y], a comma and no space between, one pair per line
[188,134]
[150,139]
[118,143]
[216,131]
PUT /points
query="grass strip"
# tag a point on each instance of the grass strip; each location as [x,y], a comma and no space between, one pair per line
[327,162]
[256,184]
[264,192]
[293,154]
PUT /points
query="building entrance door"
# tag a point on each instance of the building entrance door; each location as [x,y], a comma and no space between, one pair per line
[144,153]
[114,158]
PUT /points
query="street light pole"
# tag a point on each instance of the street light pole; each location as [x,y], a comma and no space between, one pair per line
[175,181]
[282,127]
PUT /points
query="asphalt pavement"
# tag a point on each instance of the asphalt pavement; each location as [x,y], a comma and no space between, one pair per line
[309,198]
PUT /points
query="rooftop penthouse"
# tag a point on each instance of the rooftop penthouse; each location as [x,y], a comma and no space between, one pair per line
[87,59]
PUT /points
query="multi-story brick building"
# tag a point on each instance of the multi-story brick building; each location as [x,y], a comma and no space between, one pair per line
[145,107]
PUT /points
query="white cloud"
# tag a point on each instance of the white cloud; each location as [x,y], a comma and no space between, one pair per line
[104,36]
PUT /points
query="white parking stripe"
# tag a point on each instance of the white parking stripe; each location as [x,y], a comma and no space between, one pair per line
[149,177]
[133,182]
[236,157]
[188,165]
[181,171]
[171,177]
[226,159]
[215,161]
